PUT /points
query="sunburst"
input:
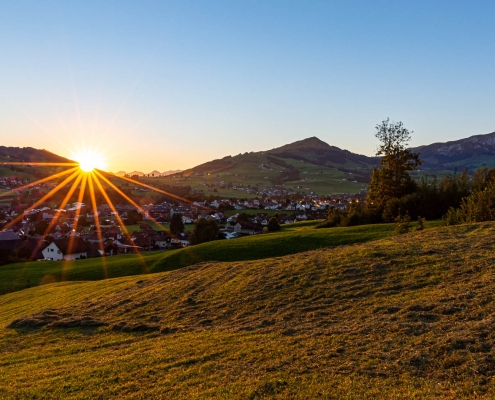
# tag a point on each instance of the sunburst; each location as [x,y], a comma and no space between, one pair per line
[89,160]
[85,174]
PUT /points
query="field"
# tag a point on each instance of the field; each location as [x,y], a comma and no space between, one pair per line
[155,226]
[292,239]
[402,317]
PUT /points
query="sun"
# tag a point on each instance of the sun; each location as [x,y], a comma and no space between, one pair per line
[89,160]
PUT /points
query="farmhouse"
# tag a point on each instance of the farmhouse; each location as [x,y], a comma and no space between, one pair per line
[59,249]
[247,228]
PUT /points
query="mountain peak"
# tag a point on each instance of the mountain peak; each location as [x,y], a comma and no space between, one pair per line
[308,143]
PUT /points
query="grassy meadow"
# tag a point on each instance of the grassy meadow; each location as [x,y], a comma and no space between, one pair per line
[293,238]
[401,317]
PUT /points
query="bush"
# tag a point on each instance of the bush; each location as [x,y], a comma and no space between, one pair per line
[391,210]
[453,216]
[402,224]
[421,224]
[273,225]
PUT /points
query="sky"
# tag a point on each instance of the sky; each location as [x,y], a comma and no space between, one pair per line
[171,84]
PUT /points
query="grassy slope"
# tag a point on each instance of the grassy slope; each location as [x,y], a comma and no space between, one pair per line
[293,239]
[402,317]
[249,172]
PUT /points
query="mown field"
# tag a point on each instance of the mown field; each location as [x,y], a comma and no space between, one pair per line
[292,239]
[403,317]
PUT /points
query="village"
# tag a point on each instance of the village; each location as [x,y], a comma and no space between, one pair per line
[78,232]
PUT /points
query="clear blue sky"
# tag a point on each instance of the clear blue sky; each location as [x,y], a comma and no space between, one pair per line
[165,85]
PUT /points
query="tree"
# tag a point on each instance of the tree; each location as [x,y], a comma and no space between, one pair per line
[242,217]
[205,230]
[40,227]
[23,253]
[392,179]
[82,221]
[133,217]
[273,225]
[5,255]
[176,224]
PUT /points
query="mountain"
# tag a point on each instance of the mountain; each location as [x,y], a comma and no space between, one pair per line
[471,153]
[318,152]
[29,154]
[155,173]
[309,160]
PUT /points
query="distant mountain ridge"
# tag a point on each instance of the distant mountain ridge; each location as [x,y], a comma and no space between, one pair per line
[152,173]
[470,153]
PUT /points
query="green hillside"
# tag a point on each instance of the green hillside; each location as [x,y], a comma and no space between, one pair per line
[293,239]
[403,317]
[28,155]
[309,165]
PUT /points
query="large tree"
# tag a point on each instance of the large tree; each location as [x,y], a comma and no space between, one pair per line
[392,179]
[176,224]
[205,230]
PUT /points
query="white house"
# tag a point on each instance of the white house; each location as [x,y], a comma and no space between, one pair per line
[66,249]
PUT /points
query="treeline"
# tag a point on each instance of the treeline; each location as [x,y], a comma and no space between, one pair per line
[429,198]
[394,196]
[290,173]
[479,206]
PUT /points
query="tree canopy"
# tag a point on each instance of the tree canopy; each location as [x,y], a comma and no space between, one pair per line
[176,224]
[392,179]
[205,230]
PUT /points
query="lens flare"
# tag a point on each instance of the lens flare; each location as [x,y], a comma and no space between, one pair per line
[90,160]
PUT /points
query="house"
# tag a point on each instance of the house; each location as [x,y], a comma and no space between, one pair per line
[246,228]
[66,249]
[231,235]
[9,239]
[180,240]
[187,219]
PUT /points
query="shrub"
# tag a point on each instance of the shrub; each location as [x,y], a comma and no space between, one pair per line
[453,216]
[421,224]
[402,224]
[273,225]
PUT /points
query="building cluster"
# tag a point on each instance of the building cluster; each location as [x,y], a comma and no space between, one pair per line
[73,232]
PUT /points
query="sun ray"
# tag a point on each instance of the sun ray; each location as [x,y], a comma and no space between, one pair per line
[155,189]
[97,223]
[33,253]
[39,182]
[42,200]
[61,207]
[78,212]
[128,199]
[40,164]
[124,229]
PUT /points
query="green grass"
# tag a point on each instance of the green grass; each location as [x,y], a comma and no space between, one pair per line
[293,238]
[155,226]
[404,317]
[270,213]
